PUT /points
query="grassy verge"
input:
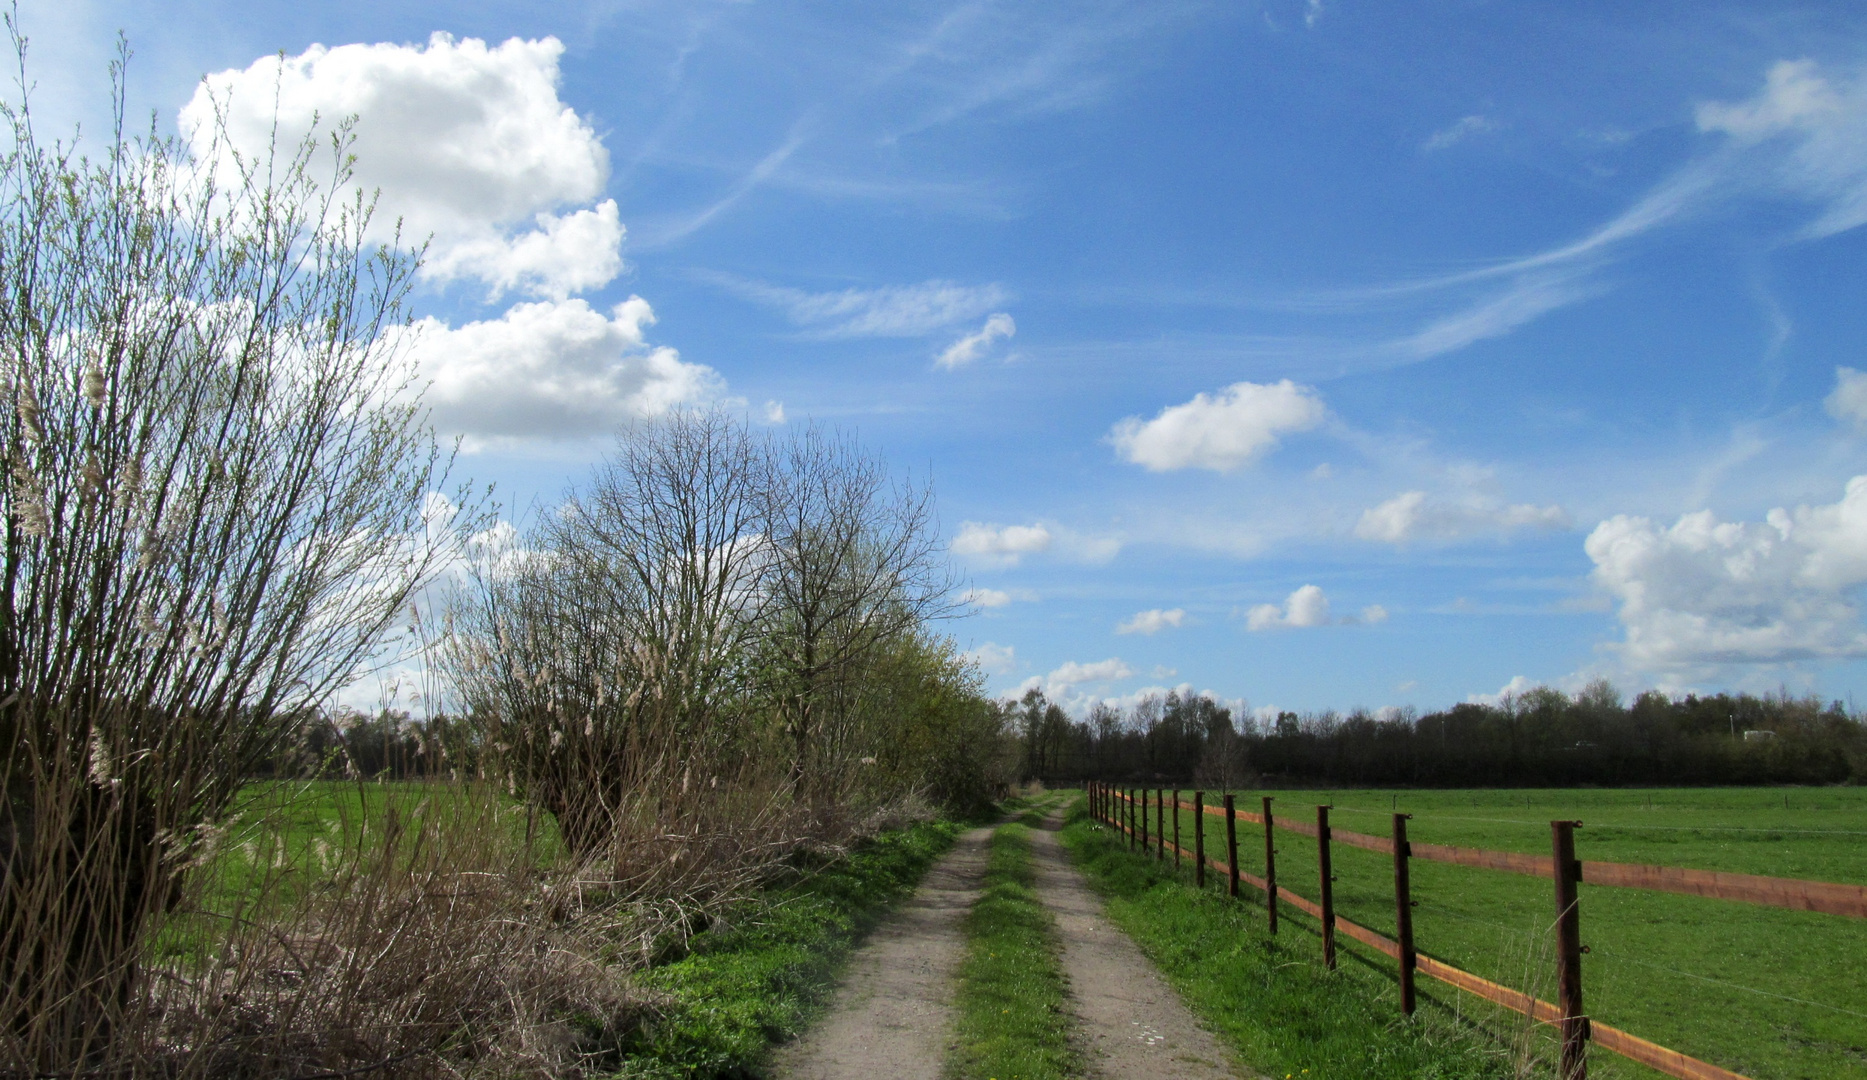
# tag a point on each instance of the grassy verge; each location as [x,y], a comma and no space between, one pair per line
[1274,1002]
[760,980]
[1011,1024]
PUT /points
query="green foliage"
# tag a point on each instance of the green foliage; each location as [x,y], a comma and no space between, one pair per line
[1010,997]
[1270,998]
[935,729]
[765,970]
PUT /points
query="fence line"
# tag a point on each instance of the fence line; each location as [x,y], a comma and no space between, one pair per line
[1117,807]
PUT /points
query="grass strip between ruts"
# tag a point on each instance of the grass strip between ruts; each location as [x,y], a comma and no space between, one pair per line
[761,981]
[1010,1022]
[1271,999]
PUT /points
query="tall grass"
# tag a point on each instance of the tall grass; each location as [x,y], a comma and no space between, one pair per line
[430,929]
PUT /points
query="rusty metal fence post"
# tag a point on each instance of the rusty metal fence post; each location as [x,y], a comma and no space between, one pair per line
[1231,847]
[1403,912]
[1160,825]
[1176,830]
[1569,952]
[1327,883]
[1199,839]
[1270,865]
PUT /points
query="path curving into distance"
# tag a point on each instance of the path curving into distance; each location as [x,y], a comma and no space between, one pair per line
[893,1014]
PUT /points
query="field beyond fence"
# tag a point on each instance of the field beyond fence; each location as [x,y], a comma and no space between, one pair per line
[1713,971]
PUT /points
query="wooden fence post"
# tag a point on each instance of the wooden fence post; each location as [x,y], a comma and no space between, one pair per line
[1270,865]
[1176,830]
[1128,805]
[1199,839]
[1144,822]
[1231,847]
[1328,887]
[1403,912]
[1569,952]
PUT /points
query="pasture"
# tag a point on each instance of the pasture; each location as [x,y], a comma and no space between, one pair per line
[1764,991]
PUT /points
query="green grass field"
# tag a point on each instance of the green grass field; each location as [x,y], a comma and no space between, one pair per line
[1763,991]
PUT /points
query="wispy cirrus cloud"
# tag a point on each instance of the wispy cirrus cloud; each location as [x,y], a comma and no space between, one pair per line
[1801,138]
[975,345]
[1460,130]
[886,311]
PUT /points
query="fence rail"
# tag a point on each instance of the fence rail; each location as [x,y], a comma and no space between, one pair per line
[1126,810]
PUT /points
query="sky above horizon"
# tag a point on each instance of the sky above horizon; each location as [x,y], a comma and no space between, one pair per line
[1309,353]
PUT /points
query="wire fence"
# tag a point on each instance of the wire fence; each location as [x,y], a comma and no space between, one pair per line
[1128,810]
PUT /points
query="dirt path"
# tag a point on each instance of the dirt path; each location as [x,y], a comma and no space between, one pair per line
[1132,1025]
[894,1009]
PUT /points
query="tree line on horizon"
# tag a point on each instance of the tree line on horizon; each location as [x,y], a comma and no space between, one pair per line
[1540,738]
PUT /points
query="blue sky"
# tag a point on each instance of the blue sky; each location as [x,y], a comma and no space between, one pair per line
[1313,354]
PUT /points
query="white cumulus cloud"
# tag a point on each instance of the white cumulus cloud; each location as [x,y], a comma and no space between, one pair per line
[1152,621]
[993,658]
[1373,614]
[1849,400]
[1219,431]
[556,369]
[977,344]
[1517,687]
[466,142]
[985,598]
[1306,606]
[1414,515]
[1002,545]
[1073,674]
[1708,592]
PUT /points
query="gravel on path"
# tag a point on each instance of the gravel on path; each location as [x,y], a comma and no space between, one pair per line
[893,1012]
[1131,1024]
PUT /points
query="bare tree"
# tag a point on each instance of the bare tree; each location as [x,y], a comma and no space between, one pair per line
[855,566]
[213,507]
[613,652]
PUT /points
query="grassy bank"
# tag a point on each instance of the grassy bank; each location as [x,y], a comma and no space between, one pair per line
[1010,996]
[1763,991]
[763,975]
[1269,998]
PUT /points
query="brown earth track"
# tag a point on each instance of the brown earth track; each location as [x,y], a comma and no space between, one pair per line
[893,1011]
[893,1015]
[1130,1023]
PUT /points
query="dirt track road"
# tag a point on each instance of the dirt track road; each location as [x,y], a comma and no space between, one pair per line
[893,1013]
[894,1009]
[1131,1025]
